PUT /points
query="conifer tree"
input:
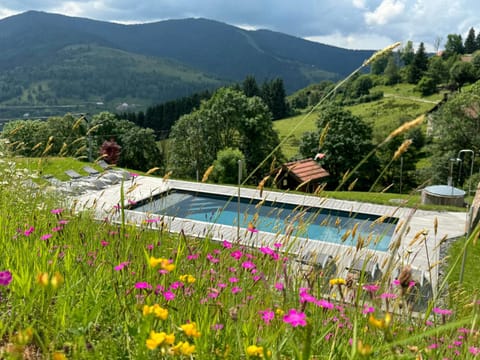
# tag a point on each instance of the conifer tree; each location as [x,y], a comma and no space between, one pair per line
[470,44]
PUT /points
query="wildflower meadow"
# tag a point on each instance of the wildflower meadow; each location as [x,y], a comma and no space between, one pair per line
[76,287]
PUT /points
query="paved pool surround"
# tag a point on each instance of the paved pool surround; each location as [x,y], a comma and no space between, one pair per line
[420,254]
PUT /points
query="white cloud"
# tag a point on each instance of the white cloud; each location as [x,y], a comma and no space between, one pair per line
[386,11]
[359,4]
[357,41]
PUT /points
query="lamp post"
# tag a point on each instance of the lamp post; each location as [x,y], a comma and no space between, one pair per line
[238,197]
[471,165]
[450,176]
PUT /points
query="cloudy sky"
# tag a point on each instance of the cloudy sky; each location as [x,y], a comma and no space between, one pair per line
[353,24]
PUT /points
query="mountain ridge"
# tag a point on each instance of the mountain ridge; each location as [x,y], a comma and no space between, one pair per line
[216,51]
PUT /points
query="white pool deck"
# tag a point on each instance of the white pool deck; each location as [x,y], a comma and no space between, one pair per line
[418,240]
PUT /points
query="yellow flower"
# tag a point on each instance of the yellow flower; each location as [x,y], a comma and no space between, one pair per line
[167,265]
[43,279]
[160,312]
[57,280]
[187,279]
[154,262]
[364,350]
[155,339]
[183,348]
[279,311]
[59,356]
[146,310]
[337,281]
[380,323]
[190,329]
[23,337]
[254,350]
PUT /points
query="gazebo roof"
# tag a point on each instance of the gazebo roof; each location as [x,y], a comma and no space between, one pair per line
[306,170]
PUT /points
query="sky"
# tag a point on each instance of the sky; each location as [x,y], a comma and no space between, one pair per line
[352,24]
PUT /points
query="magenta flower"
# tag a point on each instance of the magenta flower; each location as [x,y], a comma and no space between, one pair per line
[267,315]
[62,222]
[279,286]
[324,304]
[236,289]
[367,309]
[168,295]
[233,279]
[442,311]
[371,288]
[267,250]
[152,221]
[193,256]
[120,266]
[217,327]
[388,296]
[227,244]
[5,278]
[104,243]
[248,265]
[56,211]
[474,350]
[143,285]
[29,231]
[57,228]
[46,236]
[295,318]
[237,254]
[212,259]
[277,245]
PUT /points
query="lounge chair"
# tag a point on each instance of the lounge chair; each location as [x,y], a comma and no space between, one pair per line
[91,171]
[368,269]
[73,174]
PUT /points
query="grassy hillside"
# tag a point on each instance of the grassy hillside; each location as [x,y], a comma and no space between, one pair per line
[400,103]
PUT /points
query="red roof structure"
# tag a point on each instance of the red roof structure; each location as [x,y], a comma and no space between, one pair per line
[303,175]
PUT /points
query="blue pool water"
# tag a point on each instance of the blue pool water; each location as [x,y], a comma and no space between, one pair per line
[312,223]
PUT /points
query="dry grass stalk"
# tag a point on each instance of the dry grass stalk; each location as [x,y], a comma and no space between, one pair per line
[402,148]
[404,128]
[207,173]
[352,184]
[261,184]
[152,170]
[380,53]
[167,175]
[323,135]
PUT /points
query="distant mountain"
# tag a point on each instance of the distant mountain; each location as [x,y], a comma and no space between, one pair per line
[54,59]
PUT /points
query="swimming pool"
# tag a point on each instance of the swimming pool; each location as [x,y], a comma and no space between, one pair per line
[319,224]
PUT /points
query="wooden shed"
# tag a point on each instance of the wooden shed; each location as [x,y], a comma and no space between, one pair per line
[302,175]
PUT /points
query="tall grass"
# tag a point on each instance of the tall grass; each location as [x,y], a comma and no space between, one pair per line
[76,287]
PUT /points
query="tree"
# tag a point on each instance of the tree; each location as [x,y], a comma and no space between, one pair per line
[361,86]
[347,141]
[274,96]
[418,66]
[426,86]
[462,73]
[437,70]
[228,119]
[379,65]
[225,167]
[454,45]
[407,53]
[456,126]
[250,87]
[470,45]
[392,74]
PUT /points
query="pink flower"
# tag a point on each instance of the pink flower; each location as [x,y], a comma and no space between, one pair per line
[236,289]
[367,309]
[370,287]
[5,278]
[57,228]
[29,231]
[226,244]
[150,247]
[233,279]
[212,259]
[248,265]
[267,315]
[237,254]
[56,211]
[217,327]
[388,296]
[152,221]
[279,286]
[62,222]
[324,304]
[474,350]
[46,236]
[295,318]
[193,256]
[120,266]
[104,243]
[277,245]
[267,250]
[442,311]
[143,285]
[168,295]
